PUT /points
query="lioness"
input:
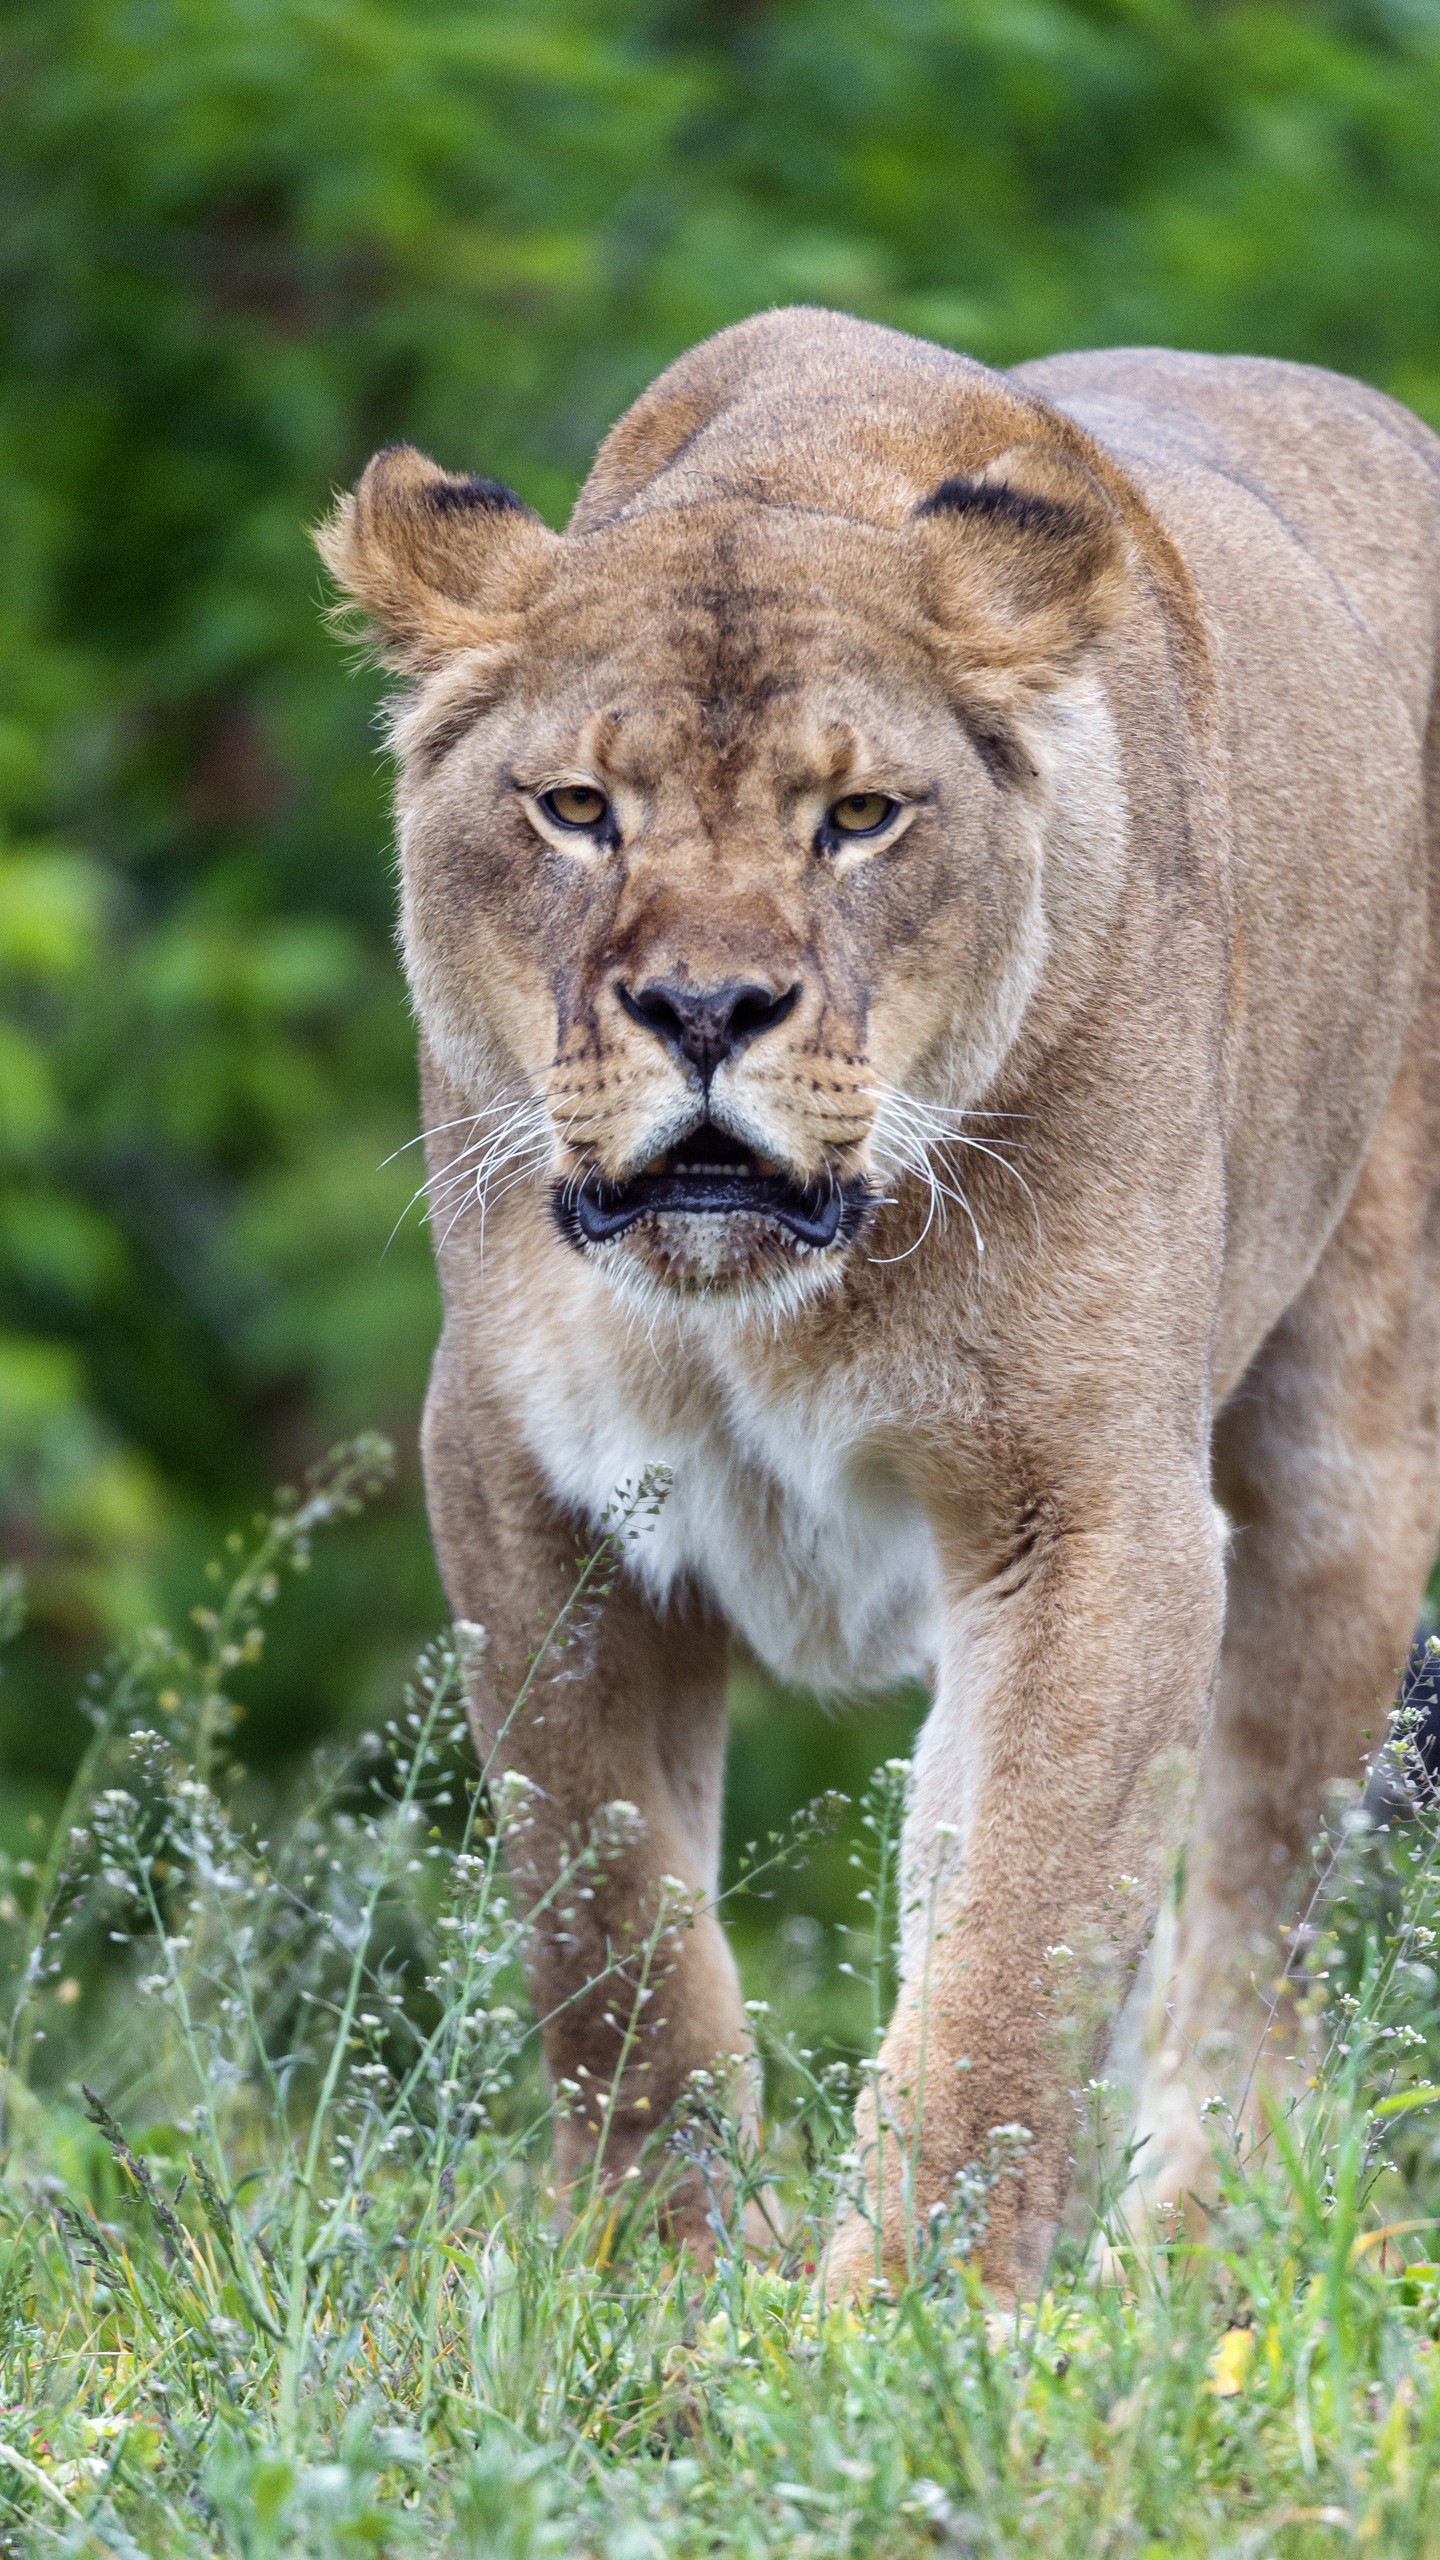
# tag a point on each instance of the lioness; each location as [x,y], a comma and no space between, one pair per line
[919,906]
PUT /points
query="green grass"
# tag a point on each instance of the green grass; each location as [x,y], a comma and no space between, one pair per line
[280,2274]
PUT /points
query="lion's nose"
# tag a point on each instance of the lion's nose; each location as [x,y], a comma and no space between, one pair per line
[707,1025]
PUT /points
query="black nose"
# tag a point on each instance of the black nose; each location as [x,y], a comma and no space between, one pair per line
[707,1024]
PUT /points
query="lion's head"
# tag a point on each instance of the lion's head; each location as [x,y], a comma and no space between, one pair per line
[737,822]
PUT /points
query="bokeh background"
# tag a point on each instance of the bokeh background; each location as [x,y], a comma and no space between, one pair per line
[242,242]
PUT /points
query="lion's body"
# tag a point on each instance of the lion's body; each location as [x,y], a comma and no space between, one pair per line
[1305,508]
[1145,648]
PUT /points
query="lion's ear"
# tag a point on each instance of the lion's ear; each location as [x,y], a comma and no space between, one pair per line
[1029,566]
[436,562]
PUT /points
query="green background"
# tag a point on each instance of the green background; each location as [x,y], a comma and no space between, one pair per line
[242,242]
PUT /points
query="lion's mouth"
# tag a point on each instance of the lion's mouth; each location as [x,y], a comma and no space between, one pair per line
[711,1175]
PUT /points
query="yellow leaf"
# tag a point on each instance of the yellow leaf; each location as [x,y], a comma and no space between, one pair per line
[1230,2364]
[1369,2240]
[607,2237]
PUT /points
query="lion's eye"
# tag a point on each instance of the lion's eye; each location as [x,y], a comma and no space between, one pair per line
[576,804]
[862,813]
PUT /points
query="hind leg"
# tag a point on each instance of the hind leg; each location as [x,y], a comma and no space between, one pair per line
[1327,1462]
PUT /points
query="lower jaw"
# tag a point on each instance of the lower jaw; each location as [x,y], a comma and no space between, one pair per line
[709,1256]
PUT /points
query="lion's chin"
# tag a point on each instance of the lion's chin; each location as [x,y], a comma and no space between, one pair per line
[723,1267]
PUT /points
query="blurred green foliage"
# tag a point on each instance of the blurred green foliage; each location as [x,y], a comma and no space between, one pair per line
[241,243]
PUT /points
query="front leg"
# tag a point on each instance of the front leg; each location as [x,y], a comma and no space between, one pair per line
[1051,1776]
[624,1706]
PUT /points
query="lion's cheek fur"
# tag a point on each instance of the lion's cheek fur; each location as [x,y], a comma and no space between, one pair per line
[478,908]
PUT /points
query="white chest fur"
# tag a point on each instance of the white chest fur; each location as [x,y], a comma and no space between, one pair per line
[784,1508]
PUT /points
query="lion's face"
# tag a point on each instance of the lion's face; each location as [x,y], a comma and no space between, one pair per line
[720,898]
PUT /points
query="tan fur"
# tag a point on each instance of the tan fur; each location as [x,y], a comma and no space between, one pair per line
[1142,980]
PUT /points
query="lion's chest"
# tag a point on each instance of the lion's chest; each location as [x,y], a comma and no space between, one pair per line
[803,1534]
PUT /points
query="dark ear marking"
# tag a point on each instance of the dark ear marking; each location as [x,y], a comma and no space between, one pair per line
[440,561]
[1025,509]
[1026,567]
[997,742]
[451,496]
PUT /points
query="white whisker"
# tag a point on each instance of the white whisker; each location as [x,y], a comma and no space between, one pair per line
[514,1106]
[467,1120]
[518,1149]
[1003,1161]
[912,1135]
